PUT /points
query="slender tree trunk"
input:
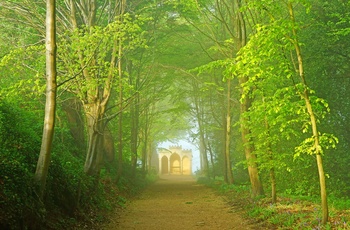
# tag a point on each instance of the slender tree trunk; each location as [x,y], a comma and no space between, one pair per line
[313,120]
[73,111]
[145,139]
[228,135]
[134,113]
[272,177]
[212,160]
[270,153]
[120,118]
[50,105]
[120,82]
[144,158]
[224,119]
[272,168]
[149,156]
[273,185]
[203,152]
[134,134]
[200,121]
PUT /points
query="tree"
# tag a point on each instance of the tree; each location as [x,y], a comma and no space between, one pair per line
[328,71]
[230,33]
[96,47]
[282,34]
[316,146]
[119,45]
[50,106]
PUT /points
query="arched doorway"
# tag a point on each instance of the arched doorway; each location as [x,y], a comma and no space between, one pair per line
[175,164]
[164,165]
[186,166]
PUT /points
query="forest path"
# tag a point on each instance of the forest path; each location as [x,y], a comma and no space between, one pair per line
[178,202]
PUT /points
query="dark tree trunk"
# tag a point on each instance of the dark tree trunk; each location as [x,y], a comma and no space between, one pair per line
[73,110]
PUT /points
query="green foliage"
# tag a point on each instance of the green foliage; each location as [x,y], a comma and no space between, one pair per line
[291,211]
[187,9]
[17,203]
[17,133]
[91,50]
[70,193]
[307,146]
[22,76]
[278,119]
[19,146]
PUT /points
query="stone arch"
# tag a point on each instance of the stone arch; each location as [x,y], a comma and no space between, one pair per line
[175,164]
[186,165]
[164,165]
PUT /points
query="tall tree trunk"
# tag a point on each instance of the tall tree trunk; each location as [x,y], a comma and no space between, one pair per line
[272,176]
[134,113]
[203,152]
[149,155]
[212,160]
[313,120]
[50,105]
[228,134]
[273,184]
[120,117]
[271,156]
[134,132]
[257,188]
[200,121]
[224,119]
[145,141]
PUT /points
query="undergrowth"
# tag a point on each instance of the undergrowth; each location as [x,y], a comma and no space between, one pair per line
[289,212]
[72,199]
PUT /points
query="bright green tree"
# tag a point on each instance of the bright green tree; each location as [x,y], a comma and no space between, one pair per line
[284,32]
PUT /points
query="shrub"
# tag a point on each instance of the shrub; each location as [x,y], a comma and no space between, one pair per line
[18,156]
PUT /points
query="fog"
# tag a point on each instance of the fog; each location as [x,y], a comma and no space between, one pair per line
[185,145]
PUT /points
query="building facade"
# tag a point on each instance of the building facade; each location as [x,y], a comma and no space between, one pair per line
[175,161]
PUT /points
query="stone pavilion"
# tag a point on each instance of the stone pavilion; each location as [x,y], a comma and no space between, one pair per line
[175,161]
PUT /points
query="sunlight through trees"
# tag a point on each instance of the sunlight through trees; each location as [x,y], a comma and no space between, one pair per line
[258,87]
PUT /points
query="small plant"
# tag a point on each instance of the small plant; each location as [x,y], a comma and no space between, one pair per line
[255,212]
[121,201]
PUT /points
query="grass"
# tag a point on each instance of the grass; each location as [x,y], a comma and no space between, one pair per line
[289,212]
[297,213]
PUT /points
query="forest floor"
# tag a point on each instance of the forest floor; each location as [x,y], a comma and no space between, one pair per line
[178,202]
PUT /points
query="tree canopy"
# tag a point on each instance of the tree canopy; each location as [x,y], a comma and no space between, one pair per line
[259,86]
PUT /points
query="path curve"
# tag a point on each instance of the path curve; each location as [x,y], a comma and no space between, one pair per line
[178,202]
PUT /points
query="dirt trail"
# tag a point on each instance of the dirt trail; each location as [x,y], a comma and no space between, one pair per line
[178,202]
